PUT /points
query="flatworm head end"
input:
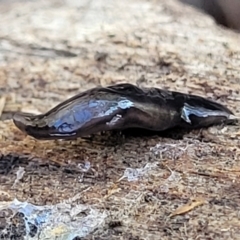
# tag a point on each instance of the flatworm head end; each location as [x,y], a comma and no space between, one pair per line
[22,120]
[35,126]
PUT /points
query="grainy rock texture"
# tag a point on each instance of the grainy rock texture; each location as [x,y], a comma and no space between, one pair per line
[143,186]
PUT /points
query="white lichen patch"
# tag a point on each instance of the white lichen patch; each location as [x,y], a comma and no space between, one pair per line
[133,174]
[61,221]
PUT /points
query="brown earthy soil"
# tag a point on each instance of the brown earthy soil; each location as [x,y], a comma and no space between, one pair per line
[51,50]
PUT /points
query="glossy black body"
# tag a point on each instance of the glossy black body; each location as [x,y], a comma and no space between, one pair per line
[119,107]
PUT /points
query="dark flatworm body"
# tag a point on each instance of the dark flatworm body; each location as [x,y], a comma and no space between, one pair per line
[119,107]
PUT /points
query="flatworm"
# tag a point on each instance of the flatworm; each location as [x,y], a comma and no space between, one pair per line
[119,107]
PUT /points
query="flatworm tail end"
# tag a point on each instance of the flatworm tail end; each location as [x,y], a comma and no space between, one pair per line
[199,112]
